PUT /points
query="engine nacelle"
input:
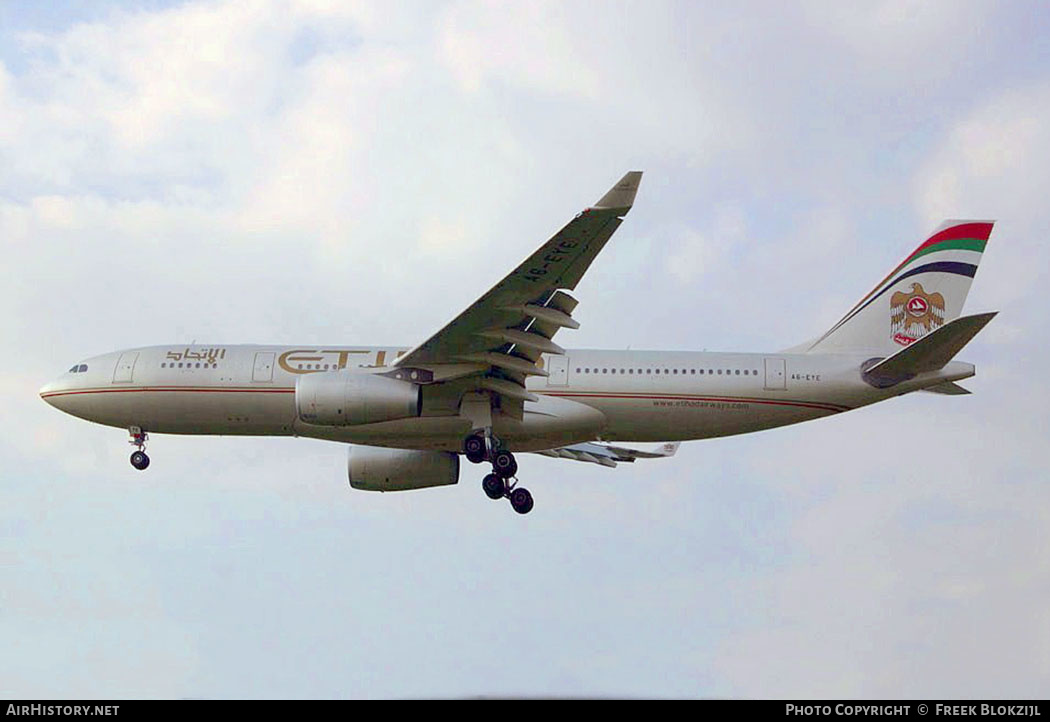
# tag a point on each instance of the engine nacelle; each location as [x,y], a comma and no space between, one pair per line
[370,468]
[345,398]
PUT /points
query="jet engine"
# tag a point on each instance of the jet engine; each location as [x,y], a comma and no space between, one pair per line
[371,468]
[345,398]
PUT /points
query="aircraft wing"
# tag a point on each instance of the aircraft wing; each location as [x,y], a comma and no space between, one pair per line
[502,335]
[608,455]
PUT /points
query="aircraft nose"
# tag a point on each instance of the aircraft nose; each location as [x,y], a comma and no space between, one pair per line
[47,392]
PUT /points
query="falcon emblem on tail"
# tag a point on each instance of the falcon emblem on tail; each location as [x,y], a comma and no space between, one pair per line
[915,314]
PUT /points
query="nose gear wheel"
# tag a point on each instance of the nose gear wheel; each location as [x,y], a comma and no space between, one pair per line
[139,459]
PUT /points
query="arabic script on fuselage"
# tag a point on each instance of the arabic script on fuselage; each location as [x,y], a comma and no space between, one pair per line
[204,355]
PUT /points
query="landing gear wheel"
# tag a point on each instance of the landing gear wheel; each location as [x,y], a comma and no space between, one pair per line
[138,439]
[495,486]
[521,500]
[503,463]
[139,460]
[474,448]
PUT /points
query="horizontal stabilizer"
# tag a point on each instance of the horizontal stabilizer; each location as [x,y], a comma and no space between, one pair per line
[929,353]
[948,387]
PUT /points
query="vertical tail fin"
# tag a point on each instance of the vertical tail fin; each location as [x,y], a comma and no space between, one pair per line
[919,296]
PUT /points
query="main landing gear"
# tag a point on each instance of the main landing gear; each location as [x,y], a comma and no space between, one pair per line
[496,485]
[138,439]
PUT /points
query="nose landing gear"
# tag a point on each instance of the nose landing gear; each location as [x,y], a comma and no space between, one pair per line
[138,439]
[479,448]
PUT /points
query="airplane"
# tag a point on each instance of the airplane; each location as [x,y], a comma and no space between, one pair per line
[493,383]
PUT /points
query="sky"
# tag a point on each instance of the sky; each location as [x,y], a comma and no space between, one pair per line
[312,172]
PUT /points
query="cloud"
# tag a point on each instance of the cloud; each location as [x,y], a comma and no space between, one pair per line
[891,37]
[993,161]
[535,47]
[697,253]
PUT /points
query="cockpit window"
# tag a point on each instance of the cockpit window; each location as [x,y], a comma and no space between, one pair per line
[73,370]
[82,368]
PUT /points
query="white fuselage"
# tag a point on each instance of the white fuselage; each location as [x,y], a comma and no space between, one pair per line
[589,394]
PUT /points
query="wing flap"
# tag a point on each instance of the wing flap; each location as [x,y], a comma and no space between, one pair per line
[608,455]
[534,341]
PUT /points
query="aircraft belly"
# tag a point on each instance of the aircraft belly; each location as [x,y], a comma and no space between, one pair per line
[546,424]
[652,419]
[549,423]
[252,412]
[191,411]
[436,433]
